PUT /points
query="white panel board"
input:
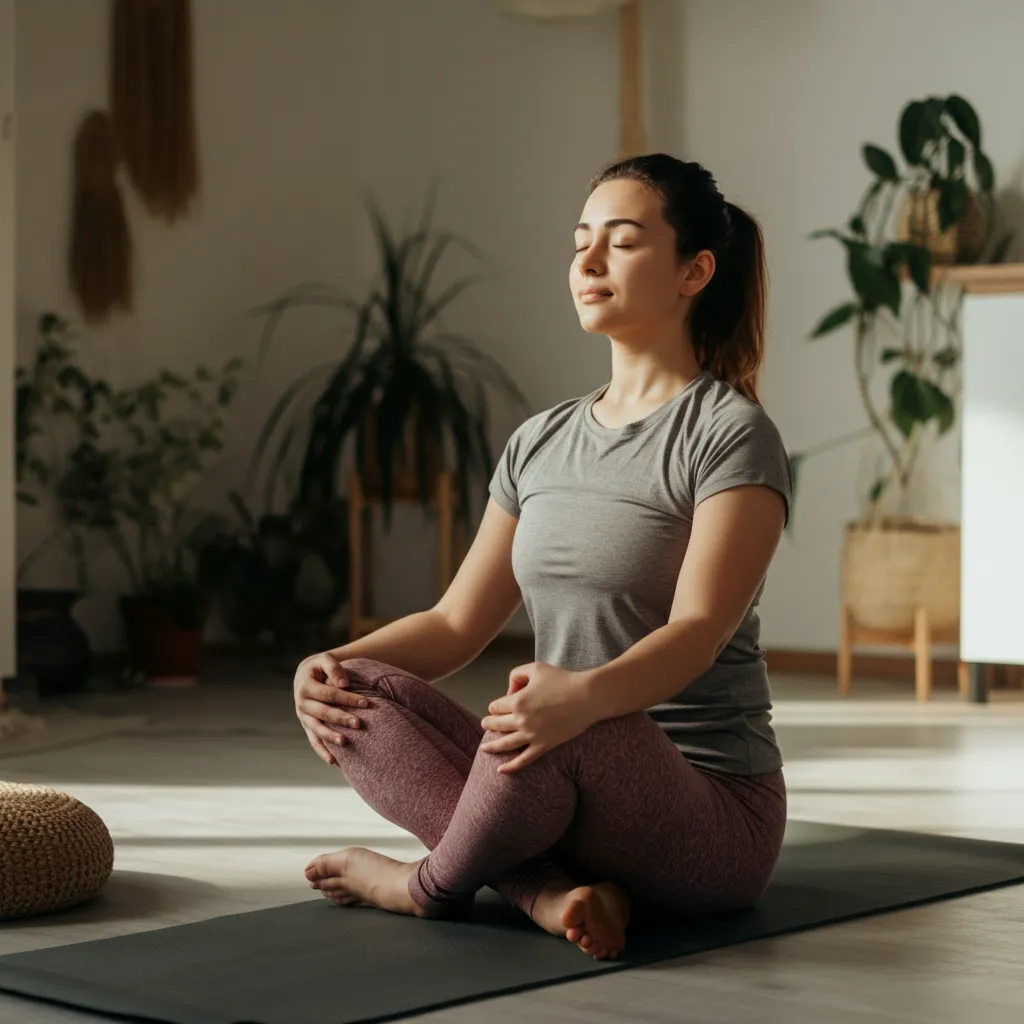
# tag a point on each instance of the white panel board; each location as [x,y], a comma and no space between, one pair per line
[992,511]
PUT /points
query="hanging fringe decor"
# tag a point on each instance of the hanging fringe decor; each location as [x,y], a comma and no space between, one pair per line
[101,246]
[151,101]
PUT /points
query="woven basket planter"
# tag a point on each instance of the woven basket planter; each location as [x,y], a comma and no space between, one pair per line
[892,569]
[54,851]
[918,223]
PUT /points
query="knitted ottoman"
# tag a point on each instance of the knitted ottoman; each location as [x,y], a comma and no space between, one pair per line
[54,851]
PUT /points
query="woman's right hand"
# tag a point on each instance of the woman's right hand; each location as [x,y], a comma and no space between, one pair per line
[320,697]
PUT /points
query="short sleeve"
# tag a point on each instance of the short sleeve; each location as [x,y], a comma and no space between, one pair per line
[504,486]
[745,448]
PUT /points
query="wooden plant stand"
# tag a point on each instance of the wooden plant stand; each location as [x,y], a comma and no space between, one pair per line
[450,547]
[852,633]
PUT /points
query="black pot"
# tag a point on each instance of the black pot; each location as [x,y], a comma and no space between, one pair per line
[53,649]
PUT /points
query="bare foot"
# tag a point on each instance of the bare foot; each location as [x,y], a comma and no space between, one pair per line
[592,917]
[367,879]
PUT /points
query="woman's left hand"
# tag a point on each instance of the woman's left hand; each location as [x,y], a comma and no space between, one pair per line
[544,706]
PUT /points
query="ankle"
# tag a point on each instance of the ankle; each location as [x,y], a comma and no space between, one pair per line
[548,902]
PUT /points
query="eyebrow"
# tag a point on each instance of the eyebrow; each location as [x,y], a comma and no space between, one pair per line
[614,223]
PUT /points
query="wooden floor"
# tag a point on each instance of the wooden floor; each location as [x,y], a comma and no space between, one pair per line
[217,803]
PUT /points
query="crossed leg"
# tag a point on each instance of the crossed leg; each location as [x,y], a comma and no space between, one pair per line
[617,806]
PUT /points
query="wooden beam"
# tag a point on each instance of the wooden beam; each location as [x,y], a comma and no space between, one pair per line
[632,133]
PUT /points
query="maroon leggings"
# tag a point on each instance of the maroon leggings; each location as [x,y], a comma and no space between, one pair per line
[617,803]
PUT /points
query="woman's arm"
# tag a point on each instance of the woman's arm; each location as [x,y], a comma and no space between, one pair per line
[733,540]
[483,596]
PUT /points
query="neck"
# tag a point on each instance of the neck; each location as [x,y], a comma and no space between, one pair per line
[650,372]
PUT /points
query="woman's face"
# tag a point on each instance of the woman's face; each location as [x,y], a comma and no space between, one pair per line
[626,276]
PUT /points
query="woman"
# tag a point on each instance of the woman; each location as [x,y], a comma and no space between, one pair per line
[632,768]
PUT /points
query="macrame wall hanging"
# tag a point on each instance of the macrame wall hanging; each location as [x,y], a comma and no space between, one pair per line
[100,258]
[150,131]
[151,102]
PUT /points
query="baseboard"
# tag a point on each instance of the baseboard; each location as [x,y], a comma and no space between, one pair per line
[865,666]
[789,660]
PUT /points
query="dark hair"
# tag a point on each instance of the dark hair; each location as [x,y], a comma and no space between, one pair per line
[727,319]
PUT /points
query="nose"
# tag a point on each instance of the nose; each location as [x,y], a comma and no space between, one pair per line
[590,262]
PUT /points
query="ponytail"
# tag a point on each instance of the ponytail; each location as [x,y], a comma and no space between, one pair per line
[728,319]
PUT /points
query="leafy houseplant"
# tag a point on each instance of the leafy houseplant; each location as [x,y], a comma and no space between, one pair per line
[161,435]
[904,315]
[56,413]
[282,573]
[406,384]
[910,329]
[57,409]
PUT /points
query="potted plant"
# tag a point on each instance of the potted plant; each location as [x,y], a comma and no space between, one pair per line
[947,203]
[283,574]
[56,419]
[904,317]
[158,440]
[405,387]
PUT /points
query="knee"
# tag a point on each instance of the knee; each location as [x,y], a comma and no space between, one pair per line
[368,674]
[365,673]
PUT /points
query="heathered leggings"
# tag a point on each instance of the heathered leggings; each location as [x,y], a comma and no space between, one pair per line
[617,803]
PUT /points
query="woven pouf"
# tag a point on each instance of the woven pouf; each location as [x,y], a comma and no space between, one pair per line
[54,851]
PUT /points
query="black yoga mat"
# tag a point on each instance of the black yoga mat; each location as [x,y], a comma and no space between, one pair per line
[315,963]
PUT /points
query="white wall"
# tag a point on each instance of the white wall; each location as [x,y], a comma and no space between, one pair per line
[777,99]
[302,105]
[7,246]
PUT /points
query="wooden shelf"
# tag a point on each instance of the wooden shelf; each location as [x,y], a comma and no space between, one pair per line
[982,279]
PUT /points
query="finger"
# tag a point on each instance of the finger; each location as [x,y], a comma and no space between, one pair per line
[319,749]
[499,723]
[520,672]
[327,713]
[333,670]
[314,727]
[526,757]
[334,695]
[504,743]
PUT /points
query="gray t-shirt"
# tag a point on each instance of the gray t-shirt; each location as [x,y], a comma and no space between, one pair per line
[604,520]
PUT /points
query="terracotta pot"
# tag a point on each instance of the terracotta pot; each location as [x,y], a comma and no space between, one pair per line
[165,653]
[902,564]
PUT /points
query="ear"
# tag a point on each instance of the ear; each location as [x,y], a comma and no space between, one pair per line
[697,272]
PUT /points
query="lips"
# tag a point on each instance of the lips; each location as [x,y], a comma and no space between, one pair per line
[594,292]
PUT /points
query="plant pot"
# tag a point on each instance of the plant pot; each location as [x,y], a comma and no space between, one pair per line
[166,654]
[902,564]
[918,223]
[52,647]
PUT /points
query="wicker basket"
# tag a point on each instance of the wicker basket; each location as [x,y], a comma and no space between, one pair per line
[918,223]
[54,851]
[892,569]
